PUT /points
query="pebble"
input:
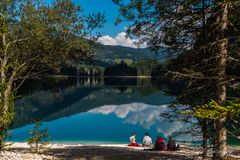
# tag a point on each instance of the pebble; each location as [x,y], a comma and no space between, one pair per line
[7,155]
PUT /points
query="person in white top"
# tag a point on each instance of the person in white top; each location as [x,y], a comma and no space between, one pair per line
[147,140]
[133,142]
[132,139]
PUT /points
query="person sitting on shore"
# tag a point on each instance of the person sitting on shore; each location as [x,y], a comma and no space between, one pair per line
[159,144]
[147,140]
[172,145]
[133,142]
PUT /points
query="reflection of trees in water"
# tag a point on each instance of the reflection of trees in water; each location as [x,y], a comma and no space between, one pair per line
[118,81]
[171,88]
[44,103]
[143,85]
[121,89]
[88,81]
[60,83]
[144,82]
[57,83]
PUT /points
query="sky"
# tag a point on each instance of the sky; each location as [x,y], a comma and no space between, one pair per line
[111,34]
[111,13]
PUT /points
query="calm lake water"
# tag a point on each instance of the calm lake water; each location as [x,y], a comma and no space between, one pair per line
[86,110]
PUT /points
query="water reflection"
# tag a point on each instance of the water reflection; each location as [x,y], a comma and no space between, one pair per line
[113,124]
[149,116]
[83,106]
[88,81]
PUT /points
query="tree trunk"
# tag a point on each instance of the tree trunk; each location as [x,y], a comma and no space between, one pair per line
[221,139]
[221,130]
[7,77]
[222,53]
[204,139]
[4,113]
[6,99]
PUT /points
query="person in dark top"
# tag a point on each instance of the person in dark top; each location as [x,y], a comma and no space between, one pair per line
[159,144]
[172,145]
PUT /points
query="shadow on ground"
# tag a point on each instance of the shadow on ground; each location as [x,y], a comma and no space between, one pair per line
[106,153]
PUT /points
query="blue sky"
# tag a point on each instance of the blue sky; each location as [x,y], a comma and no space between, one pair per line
[110,10]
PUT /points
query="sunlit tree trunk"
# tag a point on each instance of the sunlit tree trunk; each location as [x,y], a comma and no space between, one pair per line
[7,78]
[6,82]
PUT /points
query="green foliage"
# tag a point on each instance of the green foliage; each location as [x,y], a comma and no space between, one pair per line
[6,118]
[3,28]
[127,61]
[121,69]
[39,138]
[215,111]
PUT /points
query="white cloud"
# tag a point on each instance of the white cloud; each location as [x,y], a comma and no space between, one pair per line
[107,40]
[120,40]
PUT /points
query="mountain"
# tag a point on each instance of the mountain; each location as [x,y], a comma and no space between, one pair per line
[109,54]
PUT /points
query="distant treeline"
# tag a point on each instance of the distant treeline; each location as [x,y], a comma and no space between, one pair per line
[121,69]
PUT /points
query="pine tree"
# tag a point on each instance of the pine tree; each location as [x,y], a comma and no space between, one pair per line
[39,138]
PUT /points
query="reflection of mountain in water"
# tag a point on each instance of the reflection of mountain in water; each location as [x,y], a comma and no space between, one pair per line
[114,124]
[149,116]
[41,104]
[53,102]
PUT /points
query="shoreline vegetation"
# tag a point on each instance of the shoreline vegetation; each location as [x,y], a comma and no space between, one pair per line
[21,151]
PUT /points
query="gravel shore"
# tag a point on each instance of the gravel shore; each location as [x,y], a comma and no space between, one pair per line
[20,151]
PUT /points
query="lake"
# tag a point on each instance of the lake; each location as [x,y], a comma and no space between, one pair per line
[97,110]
